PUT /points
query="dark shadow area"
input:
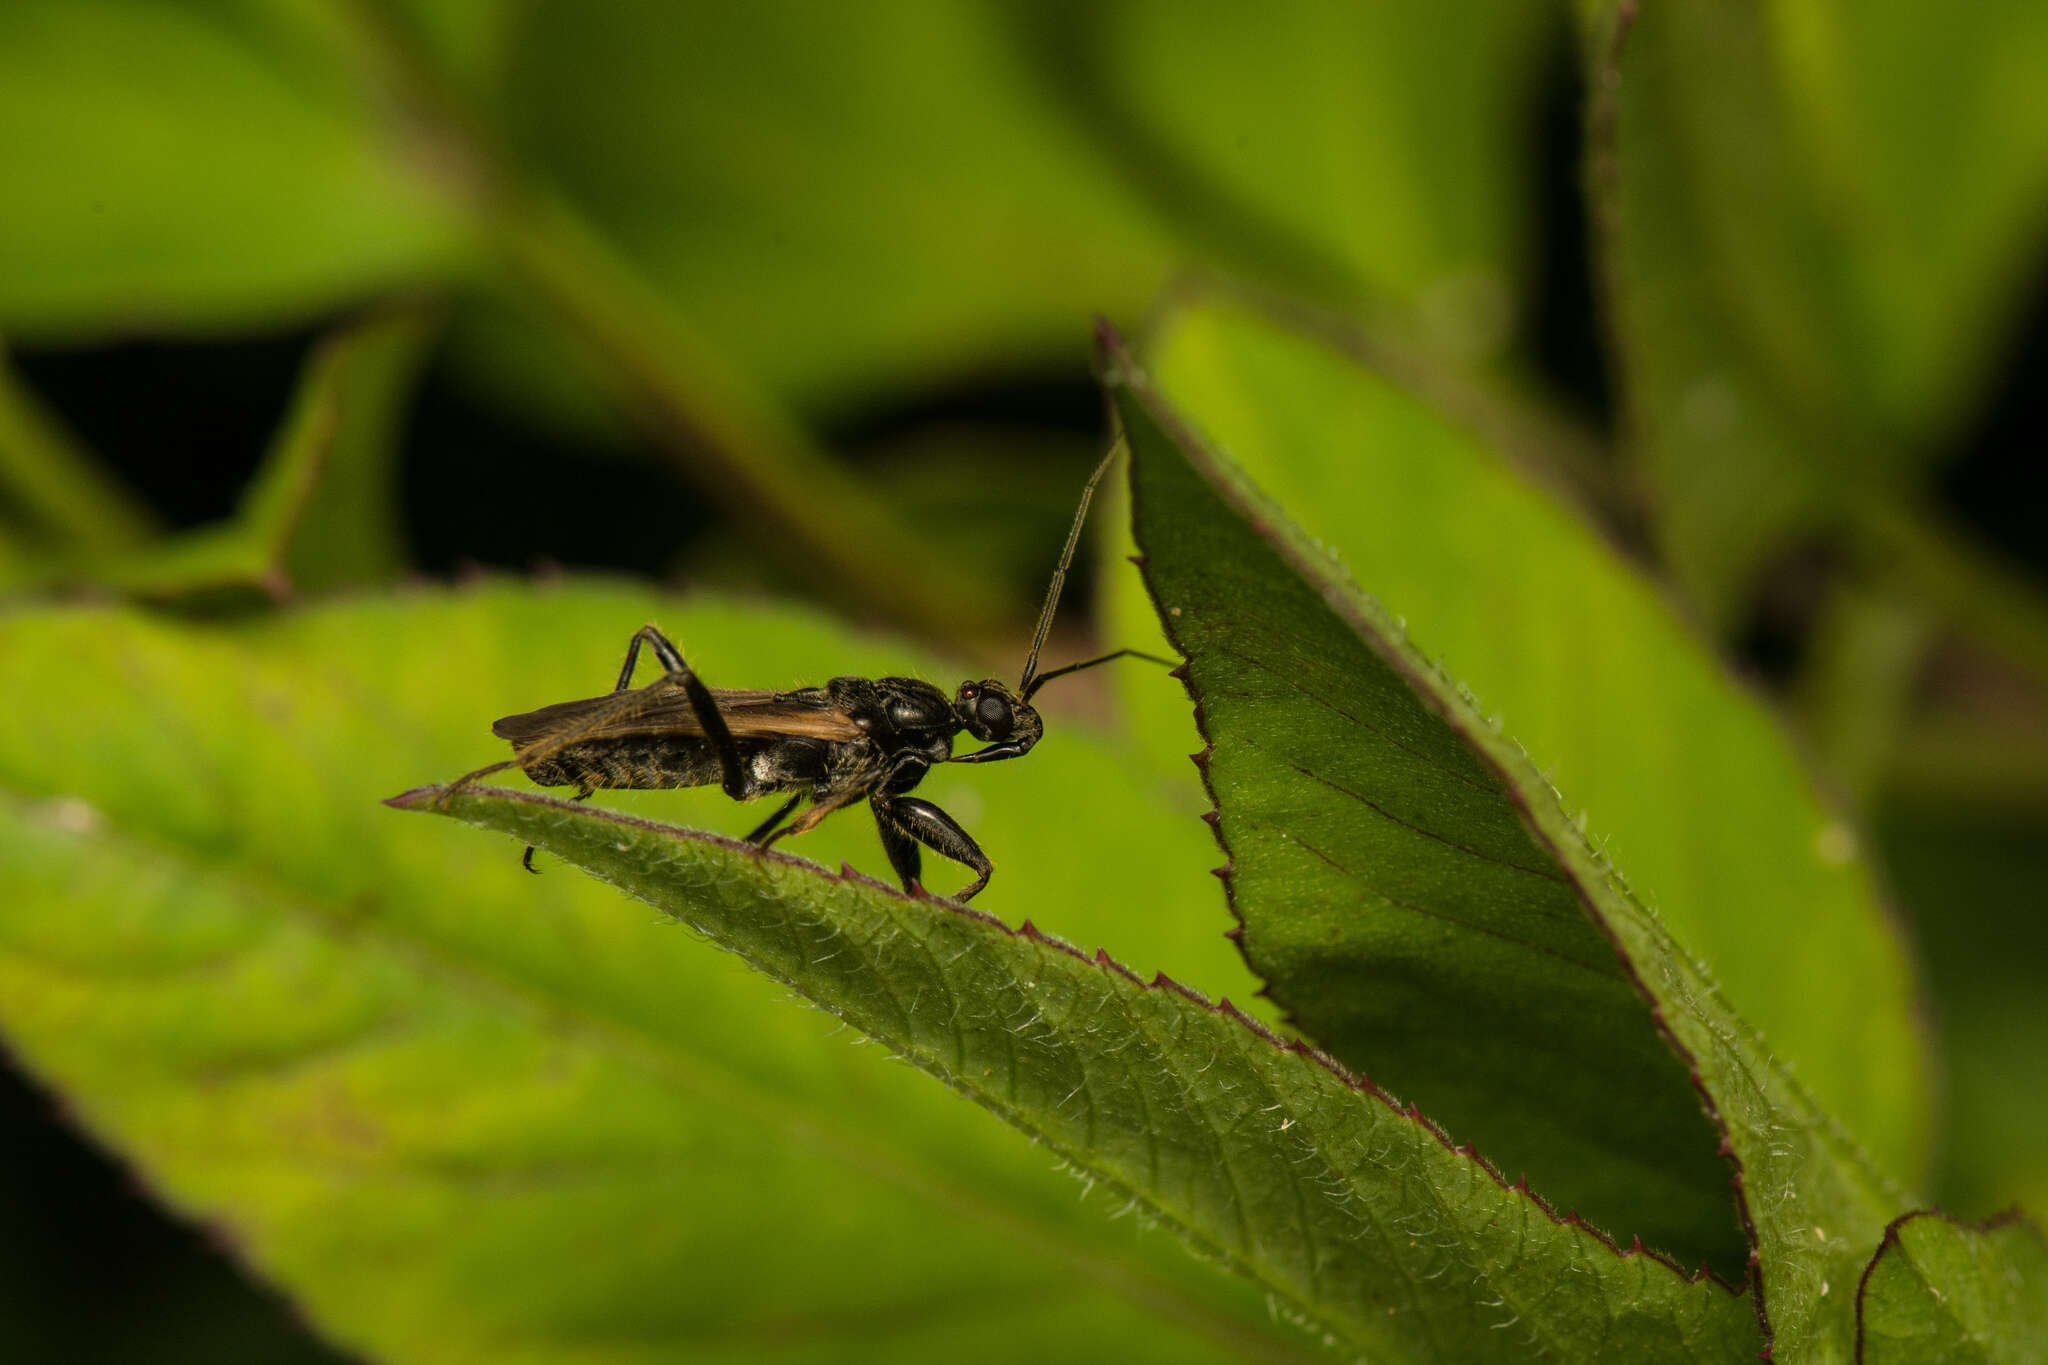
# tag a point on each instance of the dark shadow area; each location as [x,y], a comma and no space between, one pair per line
[1563,328]
[481,488]
[1998,484]
[92,1270]
[183,423]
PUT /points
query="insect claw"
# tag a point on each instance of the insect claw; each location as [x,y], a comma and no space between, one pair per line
[526,861]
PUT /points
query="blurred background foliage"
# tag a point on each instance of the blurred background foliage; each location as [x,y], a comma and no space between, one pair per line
[309,296]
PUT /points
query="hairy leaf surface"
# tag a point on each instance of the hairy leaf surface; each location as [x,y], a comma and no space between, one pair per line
[1357,1213]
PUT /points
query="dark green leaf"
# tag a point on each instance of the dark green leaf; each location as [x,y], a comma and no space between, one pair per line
[1943,1290]
[1436,812]
[1262,1154]
[1684,776]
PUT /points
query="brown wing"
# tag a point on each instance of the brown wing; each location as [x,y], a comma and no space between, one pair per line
[747,713]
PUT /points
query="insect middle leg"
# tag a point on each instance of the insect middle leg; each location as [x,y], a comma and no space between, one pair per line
[764,833]
[905,822]
[732,777]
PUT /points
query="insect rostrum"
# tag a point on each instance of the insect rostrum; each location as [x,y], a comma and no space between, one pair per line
[850,740]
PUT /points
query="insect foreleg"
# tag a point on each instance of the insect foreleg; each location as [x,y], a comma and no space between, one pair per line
[679,674]
[936,830]
[1006,749]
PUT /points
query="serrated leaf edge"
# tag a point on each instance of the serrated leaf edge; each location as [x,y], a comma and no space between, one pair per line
[431,798]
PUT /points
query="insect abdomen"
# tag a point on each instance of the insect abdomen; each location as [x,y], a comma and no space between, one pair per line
[635,762]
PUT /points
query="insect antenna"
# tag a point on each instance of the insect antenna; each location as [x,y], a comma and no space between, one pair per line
[1064,669]
[1059,581]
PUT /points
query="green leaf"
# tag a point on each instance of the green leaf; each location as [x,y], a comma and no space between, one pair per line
[462,1112]
[1685,778]
[766,168]
[1943,1290]
[1263,1154]
[1968,859]
[1304,687]
[187,166]
[1366,155]
[1393,902]
[1818,222]
[321,511]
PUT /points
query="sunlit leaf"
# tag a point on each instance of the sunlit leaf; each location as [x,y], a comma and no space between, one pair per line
[458,1111]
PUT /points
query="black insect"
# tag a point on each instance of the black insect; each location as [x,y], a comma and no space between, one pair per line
[852,739]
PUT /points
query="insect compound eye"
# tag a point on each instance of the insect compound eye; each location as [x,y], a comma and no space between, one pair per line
[994,714]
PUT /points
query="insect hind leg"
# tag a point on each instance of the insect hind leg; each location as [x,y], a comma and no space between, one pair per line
[732,777]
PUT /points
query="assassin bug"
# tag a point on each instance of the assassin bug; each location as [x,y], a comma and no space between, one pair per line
[852,739]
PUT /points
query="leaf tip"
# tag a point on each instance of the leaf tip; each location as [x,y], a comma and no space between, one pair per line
[417,799]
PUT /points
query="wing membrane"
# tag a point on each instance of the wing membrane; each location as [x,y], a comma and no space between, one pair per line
[667,711]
